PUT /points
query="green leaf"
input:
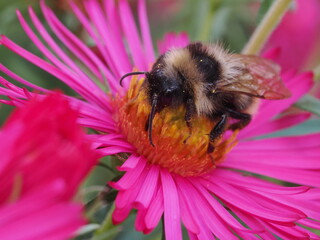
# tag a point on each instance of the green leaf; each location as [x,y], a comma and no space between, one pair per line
[310,104]
[265,5]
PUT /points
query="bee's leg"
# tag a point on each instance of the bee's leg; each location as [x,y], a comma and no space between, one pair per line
[244,119]
[217,131]
[190,111]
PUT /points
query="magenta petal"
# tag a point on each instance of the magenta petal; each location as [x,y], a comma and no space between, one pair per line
[130,163]
[281,143]
[238,180]
[146,36]
[245,203]
[223,213]
[203,213]
[171,207]
[155,210]
[140,224]
[131,176]
[120,214]
[21,80]
[277,125]
[299,176]
[186,214]
[148,189]
[132,36]
[119,60]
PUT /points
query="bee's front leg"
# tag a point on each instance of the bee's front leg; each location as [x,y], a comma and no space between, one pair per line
[190,111]
[244,119]
[217,131]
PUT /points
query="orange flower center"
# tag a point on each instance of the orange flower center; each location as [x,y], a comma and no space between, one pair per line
[174,149]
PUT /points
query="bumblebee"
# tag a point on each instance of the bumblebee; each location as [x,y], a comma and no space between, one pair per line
[210,82]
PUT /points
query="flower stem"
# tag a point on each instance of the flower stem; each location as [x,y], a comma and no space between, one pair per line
[267,25]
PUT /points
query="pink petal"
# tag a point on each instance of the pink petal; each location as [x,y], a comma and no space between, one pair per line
[148,188]
[203,213]
[155,210]
[171,207]
[146,36]
[119,60]
[131,176]
[132,36]
[299,176]
[227,193]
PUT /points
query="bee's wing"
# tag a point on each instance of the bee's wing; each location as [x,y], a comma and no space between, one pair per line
[258,77]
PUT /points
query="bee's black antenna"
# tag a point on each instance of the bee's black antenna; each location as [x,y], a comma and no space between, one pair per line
[129,74]
[151,116]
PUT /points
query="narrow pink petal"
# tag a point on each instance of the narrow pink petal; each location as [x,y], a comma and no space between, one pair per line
[131,163]
[203,213]
[192,236]
[128,196]
[79,49]
[114,20]
[287,232]
[281,143]
[120,214]
[59,51]
[107,127]
[269,201]
[155,210]
[299,176]
[84,79]
[88,110]
[115,48]
[87,26]
[310,223]
[149,187]
[146,36]
[81,89]
[110,140]
[249,220]
[139,223]
[51,43]
[21,80]
[239,180]
[277,125]
[108,151]
[186,214]
[267,236]
[131,176]
[171,207]
[132,36]
[227,193]
[222,212]
[301,202]
[304,159]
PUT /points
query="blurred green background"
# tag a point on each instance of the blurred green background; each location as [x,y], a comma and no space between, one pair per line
[225,21]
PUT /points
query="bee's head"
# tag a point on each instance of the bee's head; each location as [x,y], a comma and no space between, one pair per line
[168,88]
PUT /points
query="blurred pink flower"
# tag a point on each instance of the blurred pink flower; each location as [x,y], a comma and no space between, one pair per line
[298,35]
[44,158]
[233,200]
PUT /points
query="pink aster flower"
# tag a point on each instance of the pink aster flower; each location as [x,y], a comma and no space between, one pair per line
[237,197]
[44,157]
